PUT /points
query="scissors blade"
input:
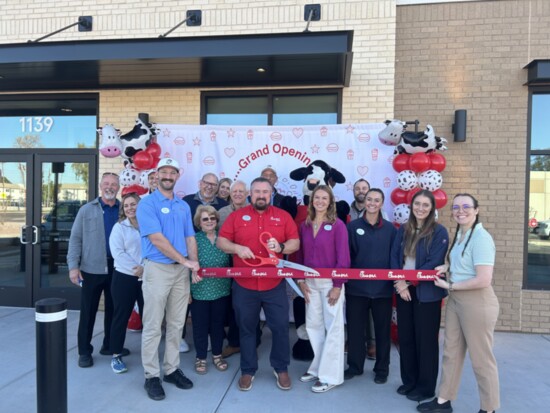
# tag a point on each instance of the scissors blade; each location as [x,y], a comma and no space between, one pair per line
[300,267]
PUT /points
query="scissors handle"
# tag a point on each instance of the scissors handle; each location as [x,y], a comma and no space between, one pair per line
[259,261]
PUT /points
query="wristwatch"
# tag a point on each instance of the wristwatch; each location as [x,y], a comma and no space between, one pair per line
[282,247]
[450,286]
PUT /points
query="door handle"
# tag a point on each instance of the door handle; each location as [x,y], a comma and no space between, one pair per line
[34,235]
[22,238]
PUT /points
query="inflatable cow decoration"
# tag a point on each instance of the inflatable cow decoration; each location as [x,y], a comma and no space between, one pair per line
[138,149]
[395,134]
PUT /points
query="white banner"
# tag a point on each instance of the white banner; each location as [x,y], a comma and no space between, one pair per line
[241,152]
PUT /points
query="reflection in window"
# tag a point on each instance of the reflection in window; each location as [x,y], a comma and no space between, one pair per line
[539,122]
[305,110]
[236,110]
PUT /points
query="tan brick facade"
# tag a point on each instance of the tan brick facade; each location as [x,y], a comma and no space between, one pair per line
[409,62]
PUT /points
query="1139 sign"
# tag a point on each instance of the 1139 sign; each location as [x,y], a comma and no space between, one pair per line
[36,124]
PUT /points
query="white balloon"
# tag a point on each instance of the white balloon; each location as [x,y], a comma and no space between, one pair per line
[430,180]
[401,213]
[407,180]
[129,177]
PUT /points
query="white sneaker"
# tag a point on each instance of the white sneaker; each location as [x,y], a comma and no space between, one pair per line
[184,347]
[319,387]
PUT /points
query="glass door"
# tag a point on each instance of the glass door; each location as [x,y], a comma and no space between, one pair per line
[40,194]
[16,231]
[63,183]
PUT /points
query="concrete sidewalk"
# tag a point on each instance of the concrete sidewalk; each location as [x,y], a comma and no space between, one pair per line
[524,365]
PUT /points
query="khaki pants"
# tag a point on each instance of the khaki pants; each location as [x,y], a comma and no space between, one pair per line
[165,291]
[470,321]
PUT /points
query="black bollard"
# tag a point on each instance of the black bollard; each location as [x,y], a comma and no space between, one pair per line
[51,355]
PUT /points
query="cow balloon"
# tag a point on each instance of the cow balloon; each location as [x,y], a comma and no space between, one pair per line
[110,145]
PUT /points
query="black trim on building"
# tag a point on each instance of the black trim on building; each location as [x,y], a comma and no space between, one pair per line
[289,59]
[538,72]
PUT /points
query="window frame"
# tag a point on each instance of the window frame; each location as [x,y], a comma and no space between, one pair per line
[527,284]
[270,94]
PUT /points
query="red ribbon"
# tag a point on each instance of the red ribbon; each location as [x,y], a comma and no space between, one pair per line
[332,273]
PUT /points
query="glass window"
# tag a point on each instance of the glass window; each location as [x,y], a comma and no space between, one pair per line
[538,225]
[236,110]
[540,105]
[272,108]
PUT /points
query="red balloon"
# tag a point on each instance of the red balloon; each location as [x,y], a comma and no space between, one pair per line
[438,162]
[411,193]
[155,162]
[138,189]
[440,198]
[143,160]
[154,150]
[398,196]
[419,162]
[401,162]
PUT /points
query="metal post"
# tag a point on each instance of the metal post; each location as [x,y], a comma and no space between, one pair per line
[51,355]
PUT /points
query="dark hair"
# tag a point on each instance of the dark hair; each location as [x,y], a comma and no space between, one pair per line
[411,235]
[260,179]
[121,215]
[361,180]
[476,205]
[379,191]
[331,211]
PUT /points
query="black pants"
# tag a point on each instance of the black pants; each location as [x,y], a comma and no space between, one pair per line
[357,312]
[208,319]
[418,331]
[92,287]
[125,290]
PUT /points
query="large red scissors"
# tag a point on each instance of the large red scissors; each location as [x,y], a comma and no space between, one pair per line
[273,260]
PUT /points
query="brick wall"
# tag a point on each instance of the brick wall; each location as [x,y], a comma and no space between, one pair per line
[471,56]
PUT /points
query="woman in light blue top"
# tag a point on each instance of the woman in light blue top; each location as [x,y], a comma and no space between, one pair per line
[472,310]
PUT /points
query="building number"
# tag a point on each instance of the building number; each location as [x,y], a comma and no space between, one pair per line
[36,124]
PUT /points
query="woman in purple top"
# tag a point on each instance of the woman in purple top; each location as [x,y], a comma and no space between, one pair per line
[324,244]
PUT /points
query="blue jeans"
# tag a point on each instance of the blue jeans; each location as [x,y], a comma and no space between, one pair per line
[247,304]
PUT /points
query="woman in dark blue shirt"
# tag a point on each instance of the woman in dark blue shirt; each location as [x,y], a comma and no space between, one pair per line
[420,244]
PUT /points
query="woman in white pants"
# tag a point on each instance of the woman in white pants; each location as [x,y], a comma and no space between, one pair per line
[324,244]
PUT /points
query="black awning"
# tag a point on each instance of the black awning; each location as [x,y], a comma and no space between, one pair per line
[293,59]
[538,72]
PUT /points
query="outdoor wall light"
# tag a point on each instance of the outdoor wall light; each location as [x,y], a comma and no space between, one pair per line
[84,23]
[192,18]
[459,127]
[312,12]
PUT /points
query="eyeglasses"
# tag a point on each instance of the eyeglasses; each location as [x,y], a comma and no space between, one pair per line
[206,219]
[210,184]
[465,208]
[109,174]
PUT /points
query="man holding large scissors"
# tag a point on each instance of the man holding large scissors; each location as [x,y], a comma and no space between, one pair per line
[240,236]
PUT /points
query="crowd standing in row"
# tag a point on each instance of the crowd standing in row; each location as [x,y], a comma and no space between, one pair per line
[153,253]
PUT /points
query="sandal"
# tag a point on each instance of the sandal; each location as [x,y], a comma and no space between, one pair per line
[220,363]
[200,366]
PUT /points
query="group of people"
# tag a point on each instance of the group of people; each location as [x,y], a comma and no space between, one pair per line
[153,253]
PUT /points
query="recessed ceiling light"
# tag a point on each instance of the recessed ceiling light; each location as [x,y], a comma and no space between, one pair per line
[260,70]
[66,110]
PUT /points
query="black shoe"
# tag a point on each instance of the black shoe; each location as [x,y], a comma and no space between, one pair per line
[154,388]
[348,374]
[179,379]
[106,352]
[434,407]
[417,396]
[380,379]
[404,389]
[85,360]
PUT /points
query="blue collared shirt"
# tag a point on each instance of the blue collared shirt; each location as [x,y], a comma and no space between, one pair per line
[110,218]
[170,217]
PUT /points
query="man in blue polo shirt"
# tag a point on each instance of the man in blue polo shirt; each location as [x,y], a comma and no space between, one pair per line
[170,251]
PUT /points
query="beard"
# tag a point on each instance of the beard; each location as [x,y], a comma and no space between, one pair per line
[109,194]
[360,198]
[167,184]
[260,204]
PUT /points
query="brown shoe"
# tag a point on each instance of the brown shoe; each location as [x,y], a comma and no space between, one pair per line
[371,352]
[283,380]
[245,382]
[229,351]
